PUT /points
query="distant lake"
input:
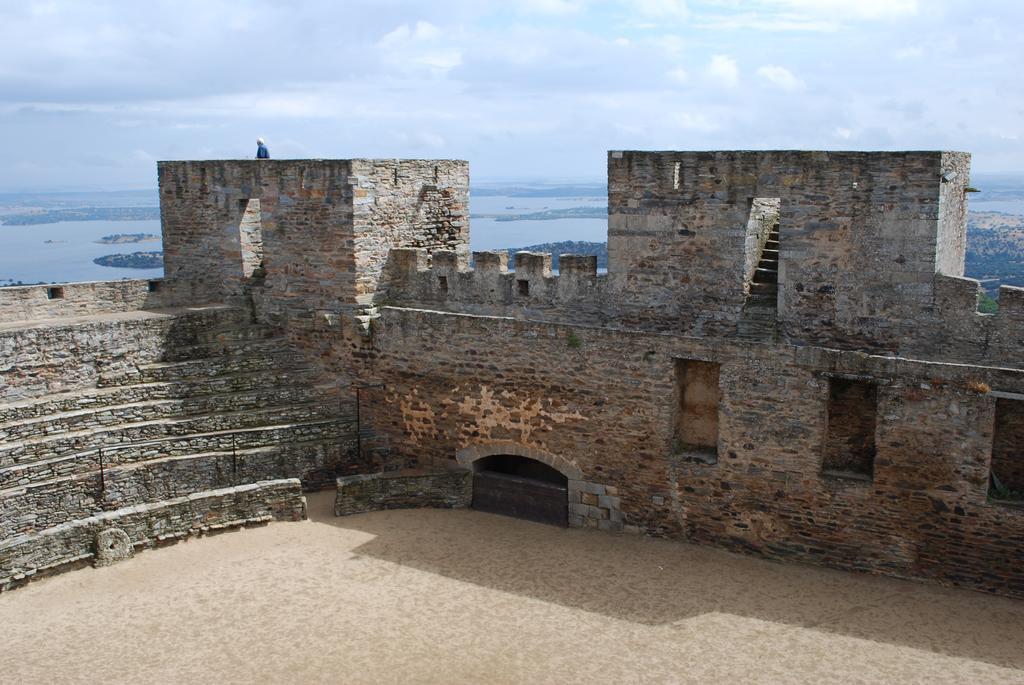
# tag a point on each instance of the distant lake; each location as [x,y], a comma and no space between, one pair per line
[489,234]
[1005,206]
[26,256]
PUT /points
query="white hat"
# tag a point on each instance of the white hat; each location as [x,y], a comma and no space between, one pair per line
[259,141]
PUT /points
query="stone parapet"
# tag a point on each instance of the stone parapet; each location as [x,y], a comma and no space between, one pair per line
[61,300]
[148,525]
[450,489]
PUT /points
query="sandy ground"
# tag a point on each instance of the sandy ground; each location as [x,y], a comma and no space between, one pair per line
[465,597]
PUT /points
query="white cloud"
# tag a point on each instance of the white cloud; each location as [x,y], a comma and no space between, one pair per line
[543,87]
[661,9]
[780,76]
[695,121]
[909,52]
[420,31]
[803,15]
[723,69]
[849,9]
[552,6]
[418,46]
[678,75]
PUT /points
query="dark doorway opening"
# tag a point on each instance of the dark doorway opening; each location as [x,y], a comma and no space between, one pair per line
[525,488]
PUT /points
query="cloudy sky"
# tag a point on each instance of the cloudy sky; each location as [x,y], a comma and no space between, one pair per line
[92,93]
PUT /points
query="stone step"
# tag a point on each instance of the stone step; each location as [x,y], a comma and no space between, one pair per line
[771,245]
[222,348]
[756,331]
[42,448]
[762,275]
[759,314]
[769,253]
[338,431]
[206,368]
[763,288]
[110,396]
[148,410]
[34,507]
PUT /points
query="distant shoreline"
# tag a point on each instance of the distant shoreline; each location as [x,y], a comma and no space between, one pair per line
[53,216]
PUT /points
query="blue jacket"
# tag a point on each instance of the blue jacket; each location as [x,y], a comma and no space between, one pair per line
[262,153]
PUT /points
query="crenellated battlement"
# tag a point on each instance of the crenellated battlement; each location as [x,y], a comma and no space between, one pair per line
[446,280]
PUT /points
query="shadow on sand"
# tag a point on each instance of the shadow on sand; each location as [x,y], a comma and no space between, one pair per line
[659,582]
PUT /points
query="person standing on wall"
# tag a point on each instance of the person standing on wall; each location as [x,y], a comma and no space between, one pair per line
[261,150]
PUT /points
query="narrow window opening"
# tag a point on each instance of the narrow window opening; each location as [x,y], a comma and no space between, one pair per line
[523,286]
[395,178]
[675,176]
[55,293]
[761,269]
[153,286]
[850,430]
[698,397]
[442,284]
[250,233]
[1007,470]
[761,248]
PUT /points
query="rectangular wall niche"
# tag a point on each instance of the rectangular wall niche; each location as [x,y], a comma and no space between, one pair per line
[850,433]
[1008,450]
[698,397]
[250,235]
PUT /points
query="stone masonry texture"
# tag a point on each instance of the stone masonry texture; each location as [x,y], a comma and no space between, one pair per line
[364,280]
[451,489]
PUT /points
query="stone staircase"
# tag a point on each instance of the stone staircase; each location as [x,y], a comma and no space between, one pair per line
[223,406]
[759,318]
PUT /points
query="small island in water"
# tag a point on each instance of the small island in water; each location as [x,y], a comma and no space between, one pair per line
[118,238]
[135,260]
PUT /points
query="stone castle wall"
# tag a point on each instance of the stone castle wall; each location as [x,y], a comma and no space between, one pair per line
[357,272]
[326,227]
[607,401]
[34,302]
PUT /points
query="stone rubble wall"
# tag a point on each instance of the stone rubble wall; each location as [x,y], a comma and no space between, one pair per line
[406,203]
[49,358]
[138,409]
[948,329]
[359,494]
[605,400]
[858,236]
[325,225]
[871,257]
[27,466]
[580,366]
[34,302]
[36,507]
[150,525]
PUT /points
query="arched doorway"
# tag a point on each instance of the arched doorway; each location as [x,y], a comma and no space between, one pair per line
[514,485]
